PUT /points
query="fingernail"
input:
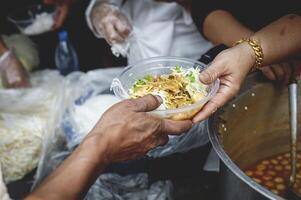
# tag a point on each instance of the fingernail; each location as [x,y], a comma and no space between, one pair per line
[159,99]
[204,77]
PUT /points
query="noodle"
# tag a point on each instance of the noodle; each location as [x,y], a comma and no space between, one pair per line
[178,89]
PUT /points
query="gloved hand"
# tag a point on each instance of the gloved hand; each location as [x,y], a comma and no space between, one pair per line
[110,23]
[13,74]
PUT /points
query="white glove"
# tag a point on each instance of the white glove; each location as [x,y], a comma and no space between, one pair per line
[110,23]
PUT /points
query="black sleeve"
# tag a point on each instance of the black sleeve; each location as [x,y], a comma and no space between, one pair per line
[202,8]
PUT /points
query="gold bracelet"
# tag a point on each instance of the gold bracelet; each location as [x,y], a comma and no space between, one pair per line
[257,50]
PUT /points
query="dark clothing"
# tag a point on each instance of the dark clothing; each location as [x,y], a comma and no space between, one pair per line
[253,14]
[92,52]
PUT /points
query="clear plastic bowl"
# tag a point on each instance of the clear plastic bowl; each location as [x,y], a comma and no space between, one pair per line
[25,18]
[159,66]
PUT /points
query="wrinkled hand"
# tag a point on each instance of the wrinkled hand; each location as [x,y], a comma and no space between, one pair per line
[13,74]
[231,66]
[129,132]
[62,10]
[110,23]
[283,71]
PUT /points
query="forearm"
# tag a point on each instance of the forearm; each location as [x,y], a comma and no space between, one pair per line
[221,27]
[281,39]
[73,178]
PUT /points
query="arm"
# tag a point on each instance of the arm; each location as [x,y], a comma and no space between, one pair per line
[233,30]
[73,178]
[126,131]
[62,9]
[279,41]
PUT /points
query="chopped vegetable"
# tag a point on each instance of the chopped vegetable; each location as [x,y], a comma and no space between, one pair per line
[181,87]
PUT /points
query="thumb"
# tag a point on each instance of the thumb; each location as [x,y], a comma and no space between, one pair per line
[210,74]
[146,103]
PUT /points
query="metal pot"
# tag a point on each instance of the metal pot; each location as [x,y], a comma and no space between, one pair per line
[254,126]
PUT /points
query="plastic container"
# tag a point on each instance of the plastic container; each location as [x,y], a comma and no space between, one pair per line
[33,20]
[159,66]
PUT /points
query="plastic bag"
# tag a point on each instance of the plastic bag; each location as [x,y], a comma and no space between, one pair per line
[28,118]
[131,187]
[25,50]
[13,74]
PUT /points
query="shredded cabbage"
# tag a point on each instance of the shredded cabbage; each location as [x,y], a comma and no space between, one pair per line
[180,88]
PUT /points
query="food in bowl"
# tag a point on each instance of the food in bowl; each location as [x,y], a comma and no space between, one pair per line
[180,88]
[158,68]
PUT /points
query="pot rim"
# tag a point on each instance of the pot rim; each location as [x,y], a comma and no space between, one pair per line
[232,166]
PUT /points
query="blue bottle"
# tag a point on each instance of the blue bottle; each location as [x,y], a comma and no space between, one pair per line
[66,59]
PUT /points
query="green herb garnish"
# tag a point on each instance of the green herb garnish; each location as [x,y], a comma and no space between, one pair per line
[148,78]
[178,69]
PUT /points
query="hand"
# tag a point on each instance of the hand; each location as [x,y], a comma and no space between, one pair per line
[129,132]
[109,22]
[12,72]
[62,10]
[283,72]
[231,66]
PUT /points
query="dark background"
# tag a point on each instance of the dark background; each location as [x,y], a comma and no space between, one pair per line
[92,52]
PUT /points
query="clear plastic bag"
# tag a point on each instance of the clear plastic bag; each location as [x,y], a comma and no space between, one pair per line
[131,187]
[28,120]
[12,73]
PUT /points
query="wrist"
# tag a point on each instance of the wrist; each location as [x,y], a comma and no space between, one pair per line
[248,54]
[94,149]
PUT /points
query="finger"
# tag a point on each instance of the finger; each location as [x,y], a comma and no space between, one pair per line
[163,140]
[60,17]
[122,28]
[214,71]
[222,96]
[172,127]
[277,69]
[146,103]
[268,73]
[111,34]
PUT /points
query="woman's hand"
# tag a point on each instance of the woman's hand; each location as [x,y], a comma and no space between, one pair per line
[283,71]
[231,66]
